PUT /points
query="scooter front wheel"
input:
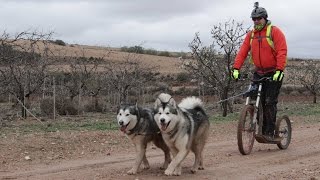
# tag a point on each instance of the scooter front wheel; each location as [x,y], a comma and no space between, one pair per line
[246,130]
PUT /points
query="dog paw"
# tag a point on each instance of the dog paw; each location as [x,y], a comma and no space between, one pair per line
[168,172]
[193,170]
[176,174]
[164,166]
[145,166]
[132,172]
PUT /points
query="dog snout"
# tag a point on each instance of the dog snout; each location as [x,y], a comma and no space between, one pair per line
[120,123]
[162,120]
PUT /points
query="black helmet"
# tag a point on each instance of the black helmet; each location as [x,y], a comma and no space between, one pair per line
[259,11]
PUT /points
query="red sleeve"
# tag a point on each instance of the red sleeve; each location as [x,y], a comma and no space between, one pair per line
[280,46]
[243,52]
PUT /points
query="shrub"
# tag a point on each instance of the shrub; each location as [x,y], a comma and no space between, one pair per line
[164,53]
[63,107]
[93,107]
[151,51]
[133,49]
[182,77]
[124,49]
[184,91]
[46,106]
[60,42]
[181,91]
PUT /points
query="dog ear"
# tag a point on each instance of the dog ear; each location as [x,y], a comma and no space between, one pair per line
[157,103]
[172,102]
[164,98]
[137,109]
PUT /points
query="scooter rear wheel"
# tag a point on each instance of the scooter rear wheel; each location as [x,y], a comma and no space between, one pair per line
[284,131]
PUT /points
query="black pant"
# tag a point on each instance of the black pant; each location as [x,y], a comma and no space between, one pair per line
[269,100]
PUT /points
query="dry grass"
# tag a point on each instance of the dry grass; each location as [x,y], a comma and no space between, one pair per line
[167,65]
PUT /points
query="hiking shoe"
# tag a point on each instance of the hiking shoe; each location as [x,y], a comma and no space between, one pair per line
[269,135]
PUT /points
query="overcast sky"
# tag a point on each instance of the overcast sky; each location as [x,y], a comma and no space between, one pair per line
[159,24]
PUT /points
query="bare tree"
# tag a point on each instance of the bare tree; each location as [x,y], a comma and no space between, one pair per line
[213,63]
[95,85]
[82,71]
[308,75]
[128,74]
[24,61]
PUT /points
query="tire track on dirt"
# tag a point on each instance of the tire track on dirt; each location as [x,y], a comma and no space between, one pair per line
[74,165]
[225,161]
[82,164]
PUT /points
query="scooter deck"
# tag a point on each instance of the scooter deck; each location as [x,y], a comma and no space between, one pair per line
[263,139]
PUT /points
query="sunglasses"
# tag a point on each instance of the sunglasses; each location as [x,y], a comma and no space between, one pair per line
[256,19]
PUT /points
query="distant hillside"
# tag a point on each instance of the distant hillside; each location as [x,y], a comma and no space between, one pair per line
[167,65]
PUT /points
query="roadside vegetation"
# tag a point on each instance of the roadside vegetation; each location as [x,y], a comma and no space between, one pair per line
[107,122]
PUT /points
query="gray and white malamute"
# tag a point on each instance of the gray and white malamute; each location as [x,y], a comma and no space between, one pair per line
[139,126]
[184,127]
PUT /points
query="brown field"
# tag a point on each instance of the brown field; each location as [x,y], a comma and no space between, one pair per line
[166,65]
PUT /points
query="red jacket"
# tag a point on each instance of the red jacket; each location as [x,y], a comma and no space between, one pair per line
[264,57]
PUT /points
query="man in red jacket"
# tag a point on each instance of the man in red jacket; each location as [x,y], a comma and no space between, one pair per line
[268,50]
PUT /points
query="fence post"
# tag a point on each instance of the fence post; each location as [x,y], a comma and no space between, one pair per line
[54,99]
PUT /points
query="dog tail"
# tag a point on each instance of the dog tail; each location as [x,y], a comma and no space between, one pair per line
[191,103]
[195,106]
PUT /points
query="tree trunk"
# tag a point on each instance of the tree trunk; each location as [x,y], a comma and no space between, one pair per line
[230,107]
[224,95]
[315,98]
[96,102]
[123,95]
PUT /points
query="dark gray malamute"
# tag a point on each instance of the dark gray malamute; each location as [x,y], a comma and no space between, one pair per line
[184,127]
[139,126]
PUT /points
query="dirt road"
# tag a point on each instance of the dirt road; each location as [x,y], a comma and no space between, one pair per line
[222,160]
